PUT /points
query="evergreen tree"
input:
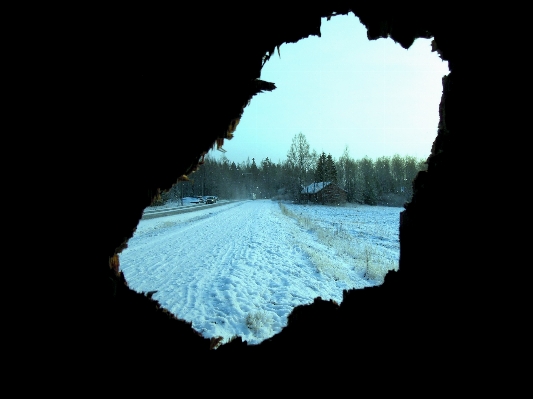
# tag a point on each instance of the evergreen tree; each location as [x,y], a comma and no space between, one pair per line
[383,176]
[370,190]
[267,178]
[346,173]
[321,169]
[411,170]
[398,173]
[331,170]
[254,177]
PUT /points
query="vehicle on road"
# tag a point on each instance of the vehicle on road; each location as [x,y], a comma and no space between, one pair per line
[210,199]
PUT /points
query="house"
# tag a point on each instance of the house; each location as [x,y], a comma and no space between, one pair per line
[324,193]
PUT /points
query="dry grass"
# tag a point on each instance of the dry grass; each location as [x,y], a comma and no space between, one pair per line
[255,321]
[365,258]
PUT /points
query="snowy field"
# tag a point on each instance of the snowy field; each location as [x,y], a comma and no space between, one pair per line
[240,268]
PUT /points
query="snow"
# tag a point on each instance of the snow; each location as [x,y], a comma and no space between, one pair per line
[314,187]
[238,268]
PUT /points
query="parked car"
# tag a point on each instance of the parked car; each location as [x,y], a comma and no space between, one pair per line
[201,199]
[210,199]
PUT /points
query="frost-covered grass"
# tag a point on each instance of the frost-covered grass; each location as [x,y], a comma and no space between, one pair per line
[258,320]
[359,241]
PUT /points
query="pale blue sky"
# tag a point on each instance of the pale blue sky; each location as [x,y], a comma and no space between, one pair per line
[342,89]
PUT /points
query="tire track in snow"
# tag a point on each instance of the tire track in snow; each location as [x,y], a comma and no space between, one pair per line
[239,285]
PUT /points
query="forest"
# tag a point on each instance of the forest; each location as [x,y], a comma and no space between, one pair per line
[382,181]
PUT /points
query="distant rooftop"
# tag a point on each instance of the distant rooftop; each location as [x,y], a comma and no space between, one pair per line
[315,187]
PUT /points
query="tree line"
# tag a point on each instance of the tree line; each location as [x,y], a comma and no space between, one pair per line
[383,181]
